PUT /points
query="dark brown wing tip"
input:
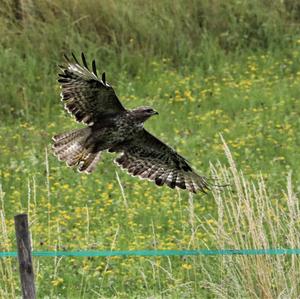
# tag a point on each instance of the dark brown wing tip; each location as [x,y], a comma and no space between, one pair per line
[170,185]
[84,60]
[158,181]
[181,185]
[94,67]
[103,78]
[205,186]
[75,58]
[66,57]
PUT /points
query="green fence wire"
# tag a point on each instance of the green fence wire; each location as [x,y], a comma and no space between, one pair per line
[107,253]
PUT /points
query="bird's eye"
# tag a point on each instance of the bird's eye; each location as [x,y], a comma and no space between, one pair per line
[149,110]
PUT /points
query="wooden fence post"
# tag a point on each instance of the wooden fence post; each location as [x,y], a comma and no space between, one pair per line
[24,256]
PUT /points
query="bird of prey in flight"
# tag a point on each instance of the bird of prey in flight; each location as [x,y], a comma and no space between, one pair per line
[112,127]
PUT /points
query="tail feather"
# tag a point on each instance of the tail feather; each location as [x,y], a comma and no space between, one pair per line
[89,162]
[72,148]
[64,138]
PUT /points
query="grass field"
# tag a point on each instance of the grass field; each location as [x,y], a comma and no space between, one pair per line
[212,71]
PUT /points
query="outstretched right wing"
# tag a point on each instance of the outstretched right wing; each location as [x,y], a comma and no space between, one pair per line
[86,96]
[149,158]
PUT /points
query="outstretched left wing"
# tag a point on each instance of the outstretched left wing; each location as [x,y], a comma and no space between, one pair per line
[86,96]
[149,158]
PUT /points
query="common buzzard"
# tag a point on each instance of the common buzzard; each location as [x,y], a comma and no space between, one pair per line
[112,127]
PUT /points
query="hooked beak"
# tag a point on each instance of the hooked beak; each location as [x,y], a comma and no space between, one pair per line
[155,112]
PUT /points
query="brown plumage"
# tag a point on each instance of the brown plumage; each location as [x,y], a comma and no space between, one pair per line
[112,127]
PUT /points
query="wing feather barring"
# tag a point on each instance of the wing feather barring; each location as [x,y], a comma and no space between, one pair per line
[111,127]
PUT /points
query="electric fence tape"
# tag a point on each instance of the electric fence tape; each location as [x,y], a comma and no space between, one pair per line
[107,253]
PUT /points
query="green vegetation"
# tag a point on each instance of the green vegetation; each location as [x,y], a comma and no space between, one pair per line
[209,68]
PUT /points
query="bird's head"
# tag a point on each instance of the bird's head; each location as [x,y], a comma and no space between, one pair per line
[143,113]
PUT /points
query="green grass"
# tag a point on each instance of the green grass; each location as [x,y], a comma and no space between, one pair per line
[209,69]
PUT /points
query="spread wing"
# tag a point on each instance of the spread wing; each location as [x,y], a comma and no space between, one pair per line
[86,96]
[149,158]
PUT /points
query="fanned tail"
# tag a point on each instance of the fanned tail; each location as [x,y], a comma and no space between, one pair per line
[72,148]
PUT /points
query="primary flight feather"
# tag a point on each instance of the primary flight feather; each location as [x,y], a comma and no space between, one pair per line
[112,127]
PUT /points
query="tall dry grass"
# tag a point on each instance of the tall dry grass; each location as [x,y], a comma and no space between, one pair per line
[251,218]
